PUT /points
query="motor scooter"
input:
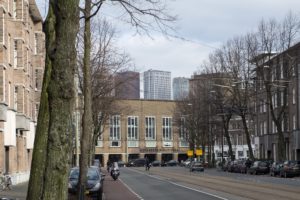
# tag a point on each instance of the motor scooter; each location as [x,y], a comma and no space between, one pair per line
[115,172]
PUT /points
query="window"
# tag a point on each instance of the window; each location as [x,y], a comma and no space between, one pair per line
[16,98]
[294,96]
[2,31]
[132,128]
[282,98]
[9,89]
[294,122]
[150,128]
[167,128]
[182,131]
[265,127]
[35,43]
[2,85]
[14,9]
[15,53]
[8,48]
[36,79]
[115,128]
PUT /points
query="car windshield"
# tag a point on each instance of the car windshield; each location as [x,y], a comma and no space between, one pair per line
[91,174]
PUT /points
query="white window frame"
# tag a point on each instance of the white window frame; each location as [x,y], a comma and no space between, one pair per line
[150,129]
[167,128]
[15,54]
[294,96]
[132,128]
[16,97]
[14,12]
[294,122]
[114,128]
[35,43]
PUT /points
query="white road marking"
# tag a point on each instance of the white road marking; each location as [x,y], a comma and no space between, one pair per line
[131,190]
[200,191]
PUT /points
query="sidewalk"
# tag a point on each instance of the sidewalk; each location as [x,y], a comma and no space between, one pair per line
[116,190]
[18,192]
[113,190]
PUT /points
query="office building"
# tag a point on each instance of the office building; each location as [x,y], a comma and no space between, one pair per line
[127,85]
[180,88]
[157,85]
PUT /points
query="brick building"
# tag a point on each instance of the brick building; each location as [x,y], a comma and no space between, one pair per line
[142,127]
[22,56]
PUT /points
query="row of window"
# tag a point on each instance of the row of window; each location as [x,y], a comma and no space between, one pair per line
[284,126]
[133,128]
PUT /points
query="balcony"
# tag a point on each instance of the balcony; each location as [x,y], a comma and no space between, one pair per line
[133,143]
[183,143]
[167,143]
[150,143]
[22,122]
[3,111]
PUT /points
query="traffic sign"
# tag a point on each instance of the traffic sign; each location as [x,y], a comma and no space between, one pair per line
[190,152]
[199,152]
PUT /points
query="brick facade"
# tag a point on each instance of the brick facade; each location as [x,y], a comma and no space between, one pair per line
[127,148]
[22,55]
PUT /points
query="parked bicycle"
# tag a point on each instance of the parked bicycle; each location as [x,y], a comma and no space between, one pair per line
[5,182]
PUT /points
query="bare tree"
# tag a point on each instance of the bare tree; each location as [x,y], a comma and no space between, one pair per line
[272,39]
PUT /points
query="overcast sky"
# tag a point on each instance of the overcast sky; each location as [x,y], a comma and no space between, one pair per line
[204,24]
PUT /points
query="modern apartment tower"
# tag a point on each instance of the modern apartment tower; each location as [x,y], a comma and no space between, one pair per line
[157,85]
[180,88]
[127,85]
[22,59]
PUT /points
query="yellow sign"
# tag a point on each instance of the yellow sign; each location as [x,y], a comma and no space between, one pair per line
[199,152]
[190,152]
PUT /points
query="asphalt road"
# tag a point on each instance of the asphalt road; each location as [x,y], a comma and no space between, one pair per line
[179,183]
[151,187]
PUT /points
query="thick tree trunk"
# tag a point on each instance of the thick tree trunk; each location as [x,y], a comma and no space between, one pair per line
[251,155]
[281,144]
[61,98]
[87,119]
[227,136]
[38,165]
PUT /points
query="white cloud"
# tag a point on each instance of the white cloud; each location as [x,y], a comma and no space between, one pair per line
[179,57]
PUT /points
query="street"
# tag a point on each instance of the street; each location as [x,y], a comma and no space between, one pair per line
[179,183]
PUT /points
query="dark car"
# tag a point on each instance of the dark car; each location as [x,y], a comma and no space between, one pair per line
[172,163]
[156,163]
[94,185]
[197,166]
[275,168]
[121,163]
[290,168]
[259,167]
[140,162]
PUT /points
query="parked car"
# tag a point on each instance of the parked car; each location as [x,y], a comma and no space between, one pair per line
[121,163]
[231,166]
[197,166]
[140,162]
[94,185]
[186,162]
[290,168]
[275,168]
[242,166]
[96,162]
[156,163]
[259,167]
[172,163]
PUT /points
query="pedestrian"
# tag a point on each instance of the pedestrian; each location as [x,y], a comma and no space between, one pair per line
[108,165]
[147,164]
